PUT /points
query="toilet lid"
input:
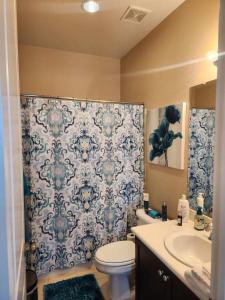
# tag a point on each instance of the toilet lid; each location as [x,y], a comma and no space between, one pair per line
[117,252]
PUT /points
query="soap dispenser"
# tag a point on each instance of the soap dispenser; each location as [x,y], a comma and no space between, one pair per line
[199,223]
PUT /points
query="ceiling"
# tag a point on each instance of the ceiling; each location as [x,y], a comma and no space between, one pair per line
[62,24]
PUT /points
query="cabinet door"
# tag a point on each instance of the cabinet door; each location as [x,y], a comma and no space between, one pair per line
[180,291]
[153,280]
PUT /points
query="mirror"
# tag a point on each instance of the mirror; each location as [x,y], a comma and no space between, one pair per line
[201,144]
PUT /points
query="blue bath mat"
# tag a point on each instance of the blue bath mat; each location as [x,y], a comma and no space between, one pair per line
[78,288]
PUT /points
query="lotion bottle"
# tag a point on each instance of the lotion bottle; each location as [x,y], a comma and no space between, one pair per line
[183,208]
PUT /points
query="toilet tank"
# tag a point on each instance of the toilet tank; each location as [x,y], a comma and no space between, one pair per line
[143,218]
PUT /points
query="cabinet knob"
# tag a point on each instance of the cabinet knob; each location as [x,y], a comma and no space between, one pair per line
[160,272]
[165,278]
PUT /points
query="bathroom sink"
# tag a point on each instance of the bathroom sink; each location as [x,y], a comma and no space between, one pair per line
[188,247]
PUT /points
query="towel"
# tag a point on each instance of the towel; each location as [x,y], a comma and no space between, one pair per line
[206,269]
[198,287]
[197,273]
[154,214]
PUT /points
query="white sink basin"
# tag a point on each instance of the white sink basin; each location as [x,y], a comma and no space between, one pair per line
[189,247]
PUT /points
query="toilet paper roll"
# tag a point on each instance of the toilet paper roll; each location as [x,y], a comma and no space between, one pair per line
[131,237]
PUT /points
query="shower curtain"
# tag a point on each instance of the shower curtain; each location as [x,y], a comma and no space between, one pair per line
[84,171]
[201,156]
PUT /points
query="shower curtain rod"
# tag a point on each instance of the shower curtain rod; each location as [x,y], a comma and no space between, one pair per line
[206,108]
[79,99]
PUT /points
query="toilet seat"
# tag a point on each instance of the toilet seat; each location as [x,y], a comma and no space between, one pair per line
[114,270]
[116,254]
[121,264]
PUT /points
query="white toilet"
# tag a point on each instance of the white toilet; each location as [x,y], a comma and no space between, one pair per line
[118,260]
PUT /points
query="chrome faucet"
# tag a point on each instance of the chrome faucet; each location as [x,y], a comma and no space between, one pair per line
[209,228]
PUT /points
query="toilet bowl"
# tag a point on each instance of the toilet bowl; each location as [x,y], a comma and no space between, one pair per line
[118,261]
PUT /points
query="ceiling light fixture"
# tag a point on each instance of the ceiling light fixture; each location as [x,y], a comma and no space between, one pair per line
[90,6]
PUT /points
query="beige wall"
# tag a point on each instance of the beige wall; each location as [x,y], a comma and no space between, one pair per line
[62,73]
[160,70]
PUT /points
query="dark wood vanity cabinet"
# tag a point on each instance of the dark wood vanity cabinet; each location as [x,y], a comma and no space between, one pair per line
[154,281]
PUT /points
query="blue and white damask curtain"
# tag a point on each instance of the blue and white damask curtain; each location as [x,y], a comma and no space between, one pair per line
[84,166]
[201,156]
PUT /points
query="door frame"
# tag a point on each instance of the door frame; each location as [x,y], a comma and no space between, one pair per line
[218,245]
[12,266]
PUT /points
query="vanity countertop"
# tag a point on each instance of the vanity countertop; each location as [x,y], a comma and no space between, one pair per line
[153,235]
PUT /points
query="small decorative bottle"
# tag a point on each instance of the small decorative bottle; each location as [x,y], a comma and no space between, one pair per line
[179,218]
[146,202]
[164,212]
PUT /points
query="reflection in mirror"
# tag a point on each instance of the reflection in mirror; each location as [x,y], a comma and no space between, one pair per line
[201,144]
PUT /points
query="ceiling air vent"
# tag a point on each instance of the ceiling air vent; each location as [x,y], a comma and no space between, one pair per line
[134,14]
